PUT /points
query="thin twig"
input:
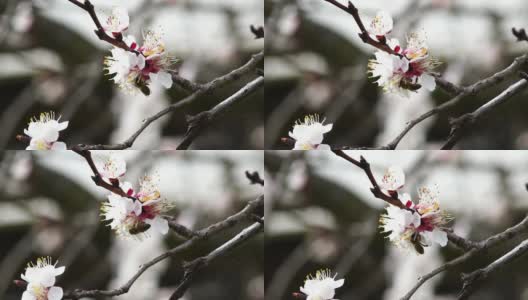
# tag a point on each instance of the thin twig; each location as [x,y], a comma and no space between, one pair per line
[97,178]
[376,190]
[364,35]
[100,32]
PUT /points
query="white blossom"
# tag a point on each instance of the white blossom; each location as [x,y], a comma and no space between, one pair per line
[40,280]
[420,224]
[134,71]
[407,71]
[118,21]
[308,135]
[415,225]
[381,25]
[126,68]
[158,61]
[44,132]
[393,179]
[390,71]
[109,164]
[139,213]
[322,286]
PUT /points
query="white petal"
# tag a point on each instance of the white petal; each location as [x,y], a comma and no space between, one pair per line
[440,237]
[427,81]
[60,146]
[339,283]
[28,296]
[138,208]
[324,147]
[63,125]
[59,271]
[48,279]
[162,78]
[55,293]
[159,224]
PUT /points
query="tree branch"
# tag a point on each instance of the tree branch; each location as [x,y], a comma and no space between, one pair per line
[477,248]
[197,264]
[464,123]
[203,90]
[473,279]
[199,122]
[473,89]
[204,234]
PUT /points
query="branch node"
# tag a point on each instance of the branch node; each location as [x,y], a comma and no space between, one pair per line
[254,178]
[520,34]
[258,31]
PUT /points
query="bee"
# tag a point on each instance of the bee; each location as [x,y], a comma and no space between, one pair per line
[142,86]
[408,85]
[416,240]
[140,228]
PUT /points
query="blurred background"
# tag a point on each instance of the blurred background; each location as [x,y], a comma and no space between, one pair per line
[50,206]
[316,63]
[52,60]
[321,214]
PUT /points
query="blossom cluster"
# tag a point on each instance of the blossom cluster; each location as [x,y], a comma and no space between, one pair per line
[418,225]
[136,68]
[322,286]
[406,70]
[40,279]
[137,214]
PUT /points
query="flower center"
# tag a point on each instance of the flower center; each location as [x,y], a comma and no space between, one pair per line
[42,145]
[40,292]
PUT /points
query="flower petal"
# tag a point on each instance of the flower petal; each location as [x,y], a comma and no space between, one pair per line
[55,293]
